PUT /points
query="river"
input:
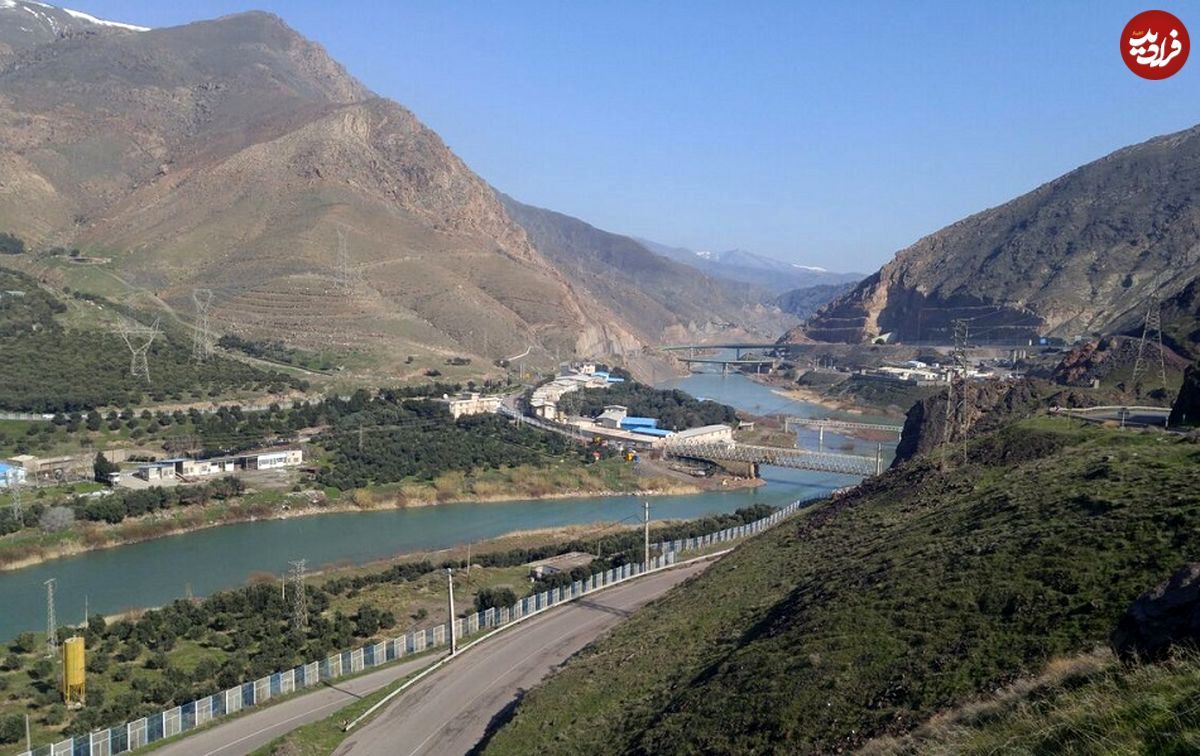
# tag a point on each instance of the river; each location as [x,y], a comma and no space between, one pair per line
[156,572]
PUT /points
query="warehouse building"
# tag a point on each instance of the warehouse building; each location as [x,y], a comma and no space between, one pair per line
[198,468]
[705,434]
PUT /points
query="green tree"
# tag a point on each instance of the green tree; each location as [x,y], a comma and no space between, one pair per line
[101,467]
[494,598]
[12,728]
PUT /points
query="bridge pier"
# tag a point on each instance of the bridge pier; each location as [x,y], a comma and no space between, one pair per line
[738,469]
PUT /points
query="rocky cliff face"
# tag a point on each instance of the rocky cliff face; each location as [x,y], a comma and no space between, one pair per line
[235,155]
[1078,255]
[990,405]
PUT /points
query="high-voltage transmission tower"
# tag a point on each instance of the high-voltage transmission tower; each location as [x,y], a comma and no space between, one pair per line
[299,598]
[202,338]
[956,395]
[138,339]
[15,500]
[345,275]
[51,622]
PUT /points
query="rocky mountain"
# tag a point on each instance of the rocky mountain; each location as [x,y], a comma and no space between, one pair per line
[806,301]
[739,265]
[657,297]
[237,156]
[1079,255]
[25,24]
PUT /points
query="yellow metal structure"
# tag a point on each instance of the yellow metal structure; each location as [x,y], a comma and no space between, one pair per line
[74,673]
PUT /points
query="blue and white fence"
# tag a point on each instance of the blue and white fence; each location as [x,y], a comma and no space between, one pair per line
[166,724]
[729,534]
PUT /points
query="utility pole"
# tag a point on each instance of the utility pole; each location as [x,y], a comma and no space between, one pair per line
[450,591]
[51,622]
[28,737]
[646,535]
[299,598]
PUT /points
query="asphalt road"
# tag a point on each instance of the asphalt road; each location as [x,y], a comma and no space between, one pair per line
[448,712]
[241,736]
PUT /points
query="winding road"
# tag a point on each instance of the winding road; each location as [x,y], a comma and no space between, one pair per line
[254,730]
[449,711]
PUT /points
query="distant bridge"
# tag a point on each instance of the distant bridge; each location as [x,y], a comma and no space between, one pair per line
[823,423]
[741,362]
[843,464]
[741,346]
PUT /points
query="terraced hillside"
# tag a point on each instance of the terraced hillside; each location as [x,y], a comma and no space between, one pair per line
[235,155]
[864,617]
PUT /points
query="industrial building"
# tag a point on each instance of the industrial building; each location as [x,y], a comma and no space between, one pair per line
[560,563]
[544,400]
[53,468]
[705,434]
[196,468]
[11,474]
[471,403]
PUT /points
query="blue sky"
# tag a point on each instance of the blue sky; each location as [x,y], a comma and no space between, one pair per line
[829,134]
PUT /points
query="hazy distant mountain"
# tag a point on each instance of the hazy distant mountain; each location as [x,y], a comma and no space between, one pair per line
[1078,255]
[748,267]
[235,155]
[804,302]
[651,292]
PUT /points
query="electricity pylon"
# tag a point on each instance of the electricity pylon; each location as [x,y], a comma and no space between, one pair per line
[51,622]
[345,275]
[139,339]
[956,394]
[201,336]
[14,486]
[299,598]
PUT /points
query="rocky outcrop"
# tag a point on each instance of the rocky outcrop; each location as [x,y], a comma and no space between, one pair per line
[1079,255]
[1167,615]
[989,406]
[1186,409]
[1101,359]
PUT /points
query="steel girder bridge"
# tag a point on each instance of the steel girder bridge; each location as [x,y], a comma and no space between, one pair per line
[799,459]
[823,423]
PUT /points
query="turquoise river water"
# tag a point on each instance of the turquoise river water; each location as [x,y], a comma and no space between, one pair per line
[156,572]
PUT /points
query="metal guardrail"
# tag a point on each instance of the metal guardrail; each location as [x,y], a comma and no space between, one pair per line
[1113,408]
[180,719]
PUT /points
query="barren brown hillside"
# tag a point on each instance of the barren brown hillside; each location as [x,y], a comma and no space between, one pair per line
[230,155]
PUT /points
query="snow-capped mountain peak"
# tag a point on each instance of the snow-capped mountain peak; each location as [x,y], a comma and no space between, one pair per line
[28,23]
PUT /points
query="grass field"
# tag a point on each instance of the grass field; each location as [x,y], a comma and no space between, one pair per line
[866,616]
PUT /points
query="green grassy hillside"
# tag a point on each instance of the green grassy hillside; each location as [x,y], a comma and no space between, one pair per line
[51,365]
[867,615]
[1080,705]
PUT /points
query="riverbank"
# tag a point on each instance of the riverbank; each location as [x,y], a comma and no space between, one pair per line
[852,403]
[32,547]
